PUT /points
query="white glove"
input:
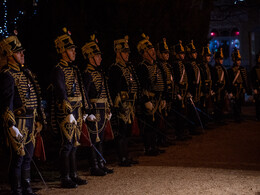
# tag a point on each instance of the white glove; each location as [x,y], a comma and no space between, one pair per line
[84,116]
[212,92]
[163,104]
[179,97]
[149,105]
[189,95]
[15,132]
[230,95]
[255,91]
[109,116]
[70,119]
[38,126]
[91,118]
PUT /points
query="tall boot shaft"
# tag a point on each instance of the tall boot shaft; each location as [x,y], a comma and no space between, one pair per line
[26,182]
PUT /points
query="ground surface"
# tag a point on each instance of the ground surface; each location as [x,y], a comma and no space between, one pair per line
[224,160]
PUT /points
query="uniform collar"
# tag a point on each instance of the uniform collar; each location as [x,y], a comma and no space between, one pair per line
[121,62]
[14,66]
[64,63]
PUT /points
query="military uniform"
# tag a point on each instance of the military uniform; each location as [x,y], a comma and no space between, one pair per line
[167,73]
[238,85]
[207,92]
[181,89]
[20,109]
[123,85]
[152,83]
[69,102]
[206,69]
[255,79]
[97,90]
[195,86]
[220,87]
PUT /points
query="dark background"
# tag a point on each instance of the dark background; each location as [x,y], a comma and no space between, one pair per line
[110,19]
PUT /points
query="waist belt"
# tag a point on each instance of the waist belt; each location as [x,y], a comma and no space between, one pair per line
[75,99]
[24,113]
[98,100]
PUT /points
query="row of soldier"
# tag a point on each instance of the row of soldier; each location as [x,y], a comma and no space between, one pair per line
[151,92]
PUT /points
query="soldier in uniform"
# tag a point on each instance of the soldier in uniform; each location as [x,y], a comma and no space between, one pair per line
[220,87]
[206,69]
[163,58]
[69,102]
[195,86]
[255,78]
[152,83]
[181,90]
[238,84]
[96,87]
[21,112]
[123,85]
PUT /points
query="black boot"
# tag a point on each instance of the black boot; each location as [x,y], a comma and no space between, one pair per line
[101,163]
[66,181]
[15,181]
[26,183]
[95,170]
[73,169]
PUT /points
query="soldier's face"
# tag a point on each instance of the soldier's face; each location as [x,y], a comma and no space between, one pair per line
[71,54]
[165,56]
[194,55]
[152,53]
[181,56]
[208,58]
[220,61]
[98,59]
[238,62]
[125,56]
[19,56]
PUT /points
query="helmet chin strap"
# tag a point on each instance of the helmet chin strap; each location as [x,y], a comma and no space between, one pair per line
[68,56]
[17,61]
[151,56]
[122,57]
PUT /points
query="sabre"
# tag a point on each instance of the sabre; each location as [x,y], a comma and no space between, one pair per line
[184,117]
[205,114]
[196,112]
[154,129]
[37,169]
[92,145]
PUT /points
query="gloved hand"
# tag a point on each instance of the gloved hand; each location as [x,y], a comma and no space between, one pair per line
[212,92]
[91,118]
[179,97]
[189,95]
[15,132]
[109,116]
[163,104]
[84,116]
[38,126]
[70,119]
[230,95]
[149,105]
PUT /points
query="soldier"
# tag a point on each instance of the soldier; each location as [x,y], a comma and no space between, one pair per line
[220,87]
[96,87]
[123,85]
[21,111]
[255,76]
[238,84]
[69,102]
[166,68]
[207,96]
[181,89]
[151,80]
[195,84]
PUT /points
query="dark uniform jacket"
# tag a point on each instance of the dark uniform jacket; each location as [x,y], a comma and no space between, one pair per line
[20,99]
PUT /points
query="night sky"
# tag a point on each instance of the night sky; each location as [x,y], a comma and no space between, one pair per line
[109,19]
